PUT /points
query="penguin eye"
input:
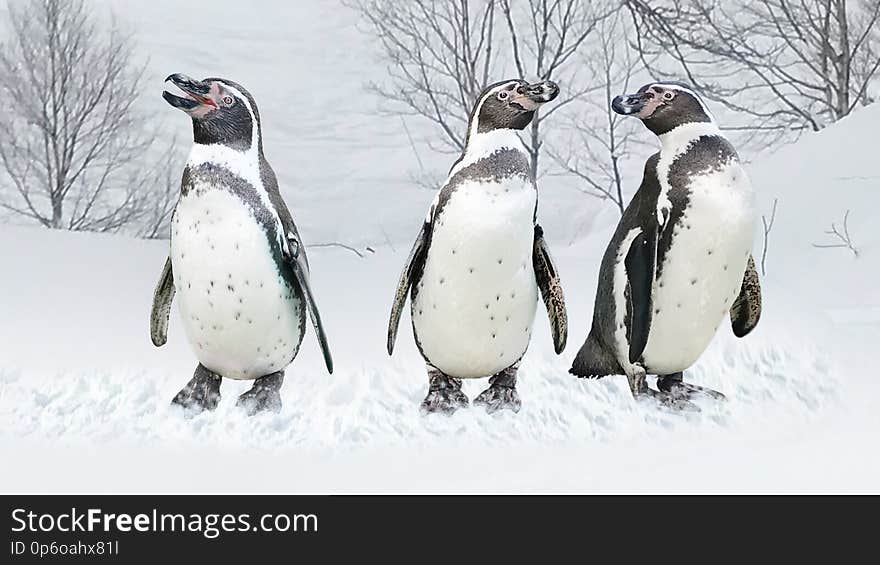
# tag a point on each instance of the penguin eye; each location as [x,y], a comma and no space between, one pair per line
[668,95]
[227,100]
[503,95]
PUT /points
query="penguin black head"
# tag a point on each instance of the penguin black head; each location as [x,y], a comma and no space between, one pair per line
[510,104]
[222,111]
[663,106]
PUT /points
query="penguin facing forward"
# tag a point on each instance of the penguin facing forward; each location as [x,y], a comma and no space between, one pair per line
[237,264]
[476,267]
[680,259]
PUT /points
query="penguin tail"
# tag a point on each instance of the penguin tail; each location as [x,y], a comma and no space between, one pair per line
[593,361]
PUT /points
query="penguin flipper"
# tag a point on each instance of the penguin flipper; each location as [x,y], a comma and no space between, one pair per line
[296,258]
[640,264]
[746,309]
[411,271]
[162,297]
[548,281]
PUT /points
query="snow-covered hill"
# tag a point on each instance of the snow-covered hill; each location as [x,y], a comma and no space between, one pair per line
[84,396]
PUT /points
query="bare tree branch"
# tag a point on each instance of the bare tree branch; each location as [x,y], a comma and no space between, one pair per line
[604,138]
[442,53]
[782,66]
[842,235]
[768,226]
[354,250]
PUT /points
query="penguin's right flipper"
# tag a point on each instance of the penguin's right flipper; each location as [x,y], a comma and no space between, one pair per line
[547,278]
[640,264]
[162,298]
[296,258]
[746,309]
[411,271]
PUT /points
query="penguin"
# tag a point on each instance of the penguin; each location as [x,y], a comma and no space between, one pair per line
[680,258]
[480,259]
[236,263]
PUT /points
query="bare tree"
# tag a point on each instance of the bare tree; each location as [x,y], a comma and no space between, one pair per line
[604,138]
[71,143]
[442,53]
[841,237]
[439,54]
[786,66]
[162,189]
[555,31]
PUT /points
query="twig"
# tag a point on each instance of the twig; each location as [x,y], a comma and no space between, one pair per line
[357,252]
[768,225]
[844,236]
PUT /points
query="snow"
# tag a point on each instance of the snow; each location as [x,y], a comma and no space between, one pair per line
[85,397]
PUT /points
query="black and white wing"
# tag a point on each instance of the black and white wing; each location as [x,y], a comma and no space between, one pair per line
[162,297]
[746,309]
[548,281]
[640,262]
[411,272]
[294,253]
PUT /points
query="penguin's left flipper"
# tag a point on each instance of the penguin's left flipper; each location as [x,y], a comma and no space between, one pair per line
[411,271]
[746,309]
[296,257]
[161,310]
[548,281]
[640,265]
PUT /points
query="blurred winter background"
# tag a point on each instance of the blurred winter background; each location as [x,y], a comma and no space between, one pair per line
[364,105]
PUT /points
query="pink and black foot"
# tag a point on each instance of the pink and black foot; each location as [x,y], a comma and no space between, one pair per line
[201,393]
[264,396]
[444,394]
[674,385]
[501,394]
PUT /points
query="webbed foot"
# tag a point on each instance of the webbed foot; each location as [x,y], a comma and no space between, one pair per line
[201,393]
[674,385]
[444,394]
[264,396]
[501,394]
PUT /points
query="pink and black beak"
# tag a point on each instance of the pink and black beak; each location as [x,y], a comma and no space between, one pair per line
[630,104]
[530,96]
[198,96]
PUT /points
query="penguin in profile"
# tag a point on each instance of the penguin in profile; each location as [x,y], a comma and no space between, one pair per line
[680,259]
[237,264]
[476,267]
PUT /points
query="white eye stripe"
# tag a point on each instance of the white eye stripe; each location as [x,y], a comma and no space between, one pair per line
[472,127]
[679,88]
[240,95]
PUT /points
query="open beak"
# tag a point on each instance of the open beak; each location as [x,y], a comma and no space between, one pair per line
[629,104]
[530,97]
[196,94]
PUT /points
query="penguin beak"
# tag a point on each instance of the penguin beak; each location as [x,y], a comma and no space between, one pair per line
[197,95]
[530,97]
[629,104]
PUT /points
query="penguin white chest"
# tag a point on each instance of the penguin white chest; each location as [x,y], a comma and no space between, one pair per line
[475,303]
[702,269]
[241,317]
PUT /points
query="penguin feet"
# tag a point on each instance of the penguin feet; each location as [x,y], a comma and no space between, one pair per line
[668,400]
[201,393]
[674,385]
[500,395]
[264,396]
[638,385]
[444,394]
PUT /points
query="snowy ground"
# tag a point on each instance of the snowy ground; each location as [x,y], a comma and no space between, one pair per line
[84,396]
